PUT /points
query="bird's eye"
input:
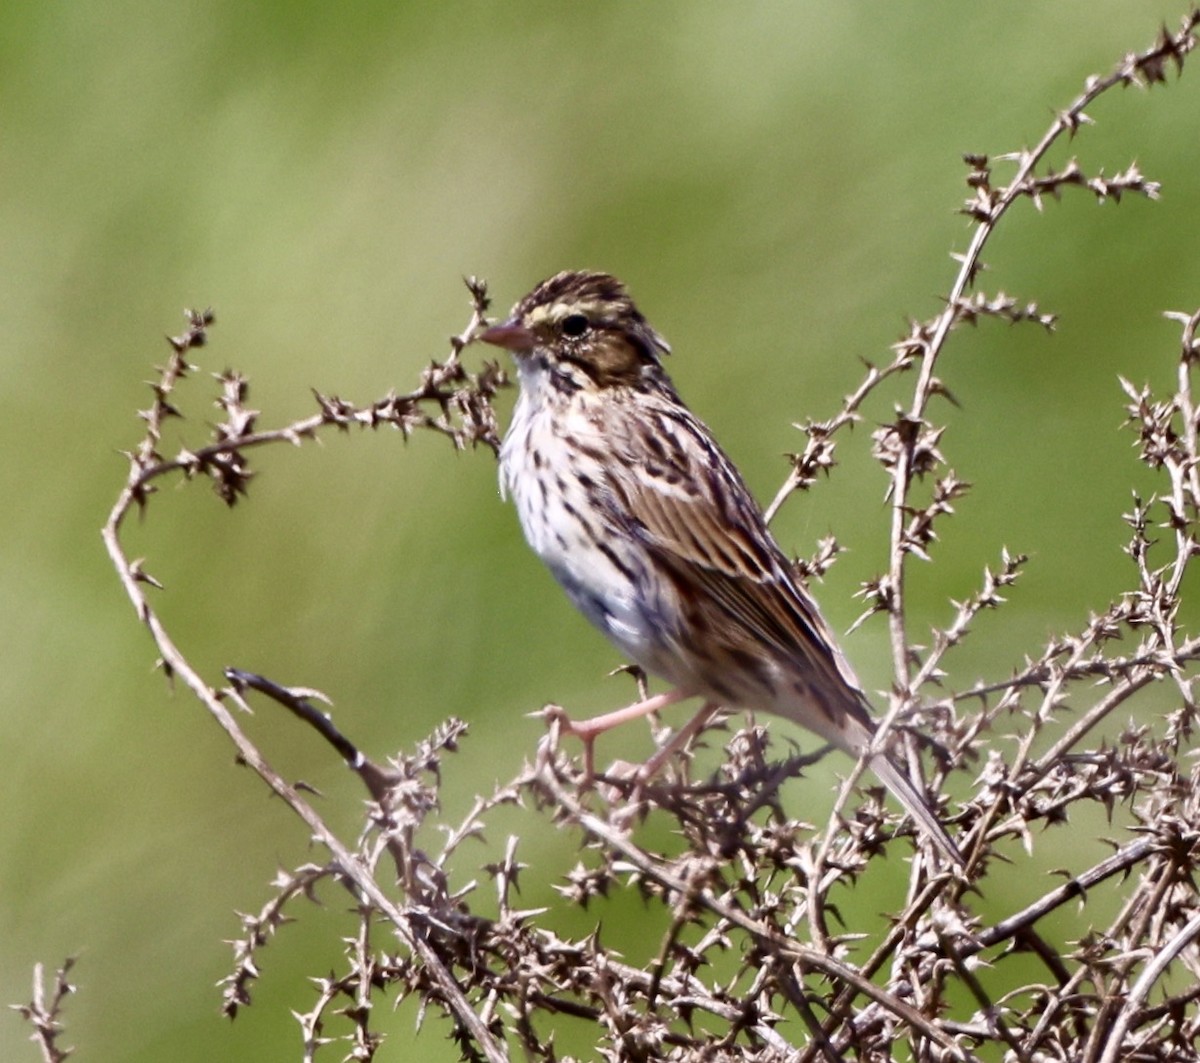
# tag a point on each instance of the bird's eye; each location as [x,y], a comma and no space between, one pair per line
[574,325]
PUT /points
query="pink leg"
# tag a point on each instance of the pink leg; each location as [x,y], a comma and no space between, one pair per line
[588,731]
[630,794]
[678,741]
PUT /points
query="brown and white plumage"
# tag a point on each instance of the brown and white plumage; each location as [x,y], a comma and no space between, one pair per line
[651,531]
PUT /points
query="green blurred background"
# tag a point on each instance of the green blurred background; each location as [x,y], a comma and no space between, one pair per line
[778,185]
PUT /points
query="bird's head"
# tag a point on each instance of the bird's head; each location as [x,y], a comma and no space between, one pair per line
[584,325]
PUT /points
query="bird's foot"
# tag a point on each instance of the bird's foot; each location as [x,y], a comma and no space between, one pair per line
[587,731]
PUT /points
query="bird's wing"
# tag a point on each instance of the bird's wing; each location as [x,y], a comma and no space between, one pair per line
[688,504]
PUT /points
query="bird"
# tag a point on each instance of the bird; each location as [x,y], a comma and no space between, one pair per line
[647,525]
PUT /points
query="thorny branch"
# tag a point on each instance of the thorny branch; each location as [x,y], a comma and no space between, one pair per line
[44,1011]
[223,461]
[764,953]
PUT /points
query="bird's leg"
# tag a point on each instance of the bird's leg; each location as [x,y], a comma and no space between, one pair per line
[590,730]
[587,731]
[678,741]
[637,776]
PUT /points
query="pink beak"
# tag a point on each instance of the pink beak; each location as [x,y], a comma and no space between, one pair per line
[509,335]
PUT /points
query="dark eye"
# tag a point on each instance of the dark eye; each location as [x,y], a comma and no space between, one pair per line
[574,325]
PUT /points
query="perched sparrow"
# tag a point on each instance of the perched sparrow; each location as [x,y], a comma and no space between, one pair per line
[652,533]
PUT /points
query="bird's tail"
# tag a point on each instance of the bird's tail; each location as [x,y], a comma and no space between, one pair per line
[916,805]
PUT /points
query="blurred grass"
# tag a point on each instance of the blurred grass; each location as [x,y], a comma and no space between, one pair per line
[776,183]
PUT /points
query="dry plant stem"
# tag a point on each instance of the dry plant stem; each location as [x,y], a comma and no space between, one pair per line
[377,781]
[45,1015]
[1038,675]
[844,1004]
[776,945]
[691,995]
[1121,693]
[824,431]
[177,664]
[902,479]
[1191,475]
[366,1043]
[988,213]
[411,935]
[987,210]
[259,928]
[1115,1042]
[1006,929]
[1185,480]
[334,413]
[967,611]
[981,832]
[310,714]
[1162,874]
[995,1023]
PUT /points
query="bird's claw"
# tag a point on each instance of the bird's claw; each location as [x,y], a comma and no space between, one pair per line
[558,723]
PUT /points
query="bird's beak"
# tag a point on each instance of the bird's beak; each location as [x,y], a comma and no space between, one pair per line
[511,335]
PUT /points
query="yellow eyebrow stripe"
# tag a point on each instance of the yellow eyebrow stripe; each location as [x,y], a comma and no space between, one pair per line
[555,312]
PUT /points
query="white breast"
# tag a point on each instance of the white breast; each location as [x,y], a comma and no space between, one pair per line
[541,461]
